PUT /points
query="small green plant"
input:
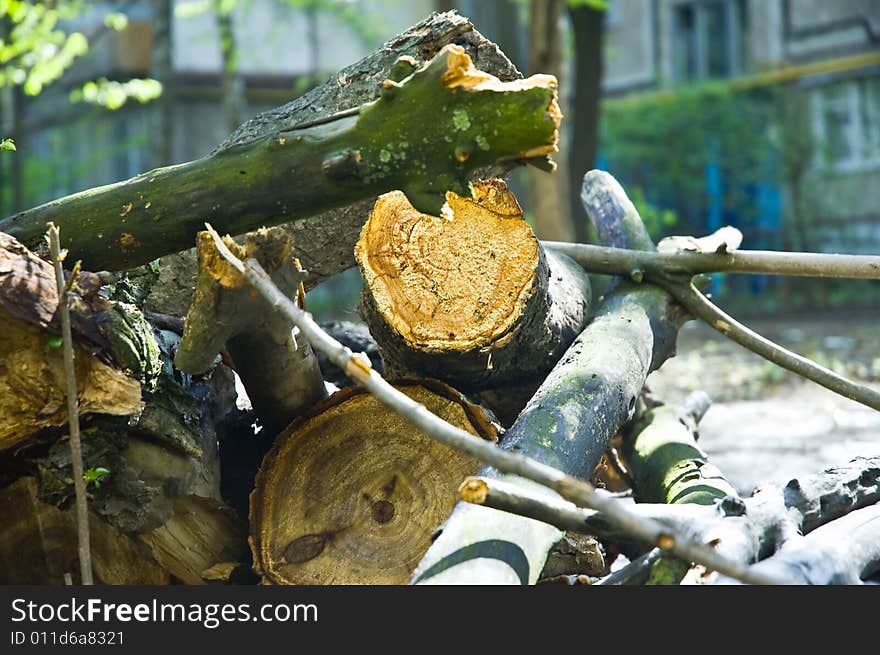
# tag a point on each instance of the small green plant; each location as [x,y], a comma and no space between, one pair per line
[95,475]
[7,144]
[51,343]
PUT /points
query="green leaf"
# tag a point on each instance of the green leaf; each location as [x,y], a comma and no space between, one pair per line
[598,5]
[116,21]
[94,475]
[52,342]
[7,144]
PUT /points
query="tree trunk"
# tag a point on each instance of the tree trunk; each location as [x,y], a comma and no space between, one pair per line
[234,100]
[162,69]
[583,117]
[475,301]
[247,183]
[351,492]
[584,401]
[548,194]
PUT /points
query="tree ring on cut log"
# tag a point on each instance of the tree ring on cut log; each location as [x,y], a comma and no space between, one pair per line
[450,285]
[474,301]
[351,492]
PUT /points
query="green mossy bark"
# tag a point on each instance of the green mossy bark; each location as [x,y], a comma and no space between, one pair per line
[668,466]
[421,136]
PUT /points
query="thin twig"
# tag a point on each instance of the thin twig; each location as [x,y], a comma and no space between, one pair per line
[701,307]
[631,263]
[79,483]
[672,271]
[576,491]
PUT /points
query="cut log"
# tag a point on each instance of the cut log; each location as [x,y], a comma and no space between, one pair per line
[474,301]
[351,492]
[279,372]
[587,397]
[38,544]
[115,350]
[294,171]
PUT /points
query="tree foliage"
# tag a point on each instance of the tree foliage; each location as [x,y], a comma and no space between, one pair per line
[38,45]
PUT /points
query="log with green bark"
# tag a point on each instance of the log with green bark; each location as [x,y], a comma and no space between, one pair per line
[324,243]
[295,171]
[587,397]
[667,466]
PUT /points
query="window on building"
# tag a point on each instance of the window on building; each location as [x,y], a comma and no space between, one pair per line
[708,39]
[848,124]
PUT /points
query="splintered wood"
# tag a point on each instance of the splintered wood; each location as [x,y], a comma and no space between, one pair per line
[453,284]
[351,493]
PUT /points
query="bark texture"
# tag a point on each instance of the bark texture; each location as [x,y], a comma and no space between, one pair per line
[587,397]
[475,301]
[381,146]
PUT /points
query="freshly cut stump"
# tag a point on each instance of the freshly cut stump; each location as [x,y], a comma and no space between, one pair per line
[470,298]
[351,492]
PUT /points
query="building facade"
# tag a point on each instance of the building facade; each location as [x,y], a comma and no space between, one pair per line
[822,57]
[66,146]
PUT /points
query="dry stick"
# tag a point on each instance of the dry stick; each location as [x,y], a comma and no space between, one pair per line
[628,263]
[576,491]
[701,307]
[672,270]
[79,483]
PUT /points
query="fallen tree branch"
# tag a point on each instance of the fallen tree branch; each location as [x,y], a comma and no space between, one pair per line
[673,272]
[740,531]
[701,307]
[79,483]
[843,552]
[569,487]
[292,172]
[628,263]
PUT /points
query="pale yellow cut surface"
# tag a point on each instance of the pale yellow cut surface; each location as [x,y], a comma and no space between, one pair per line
[353,494]
[453,284]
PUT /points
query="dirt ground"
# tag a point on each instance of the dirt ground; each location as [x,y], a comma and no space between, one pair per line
[766,424]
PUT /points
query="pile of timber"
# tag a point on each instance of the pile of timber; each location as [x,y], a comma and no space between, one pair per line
[304,482]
